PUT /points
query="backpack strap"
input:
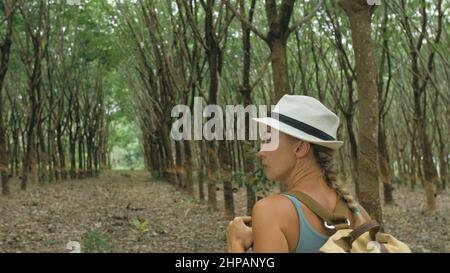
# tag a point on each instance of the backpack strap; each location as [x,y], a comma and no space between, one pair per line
[371,226]
[332,220]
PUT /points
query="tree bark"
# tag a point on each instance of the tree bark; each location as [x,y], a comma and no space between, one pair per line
[179,169]
[245,90]
[443,160]
[383,90]
[215,65]
[5,48]
[225,176]
[201,172]
[43,157]
[419,82]
[212,166]
[385,166]
[188,168]
[360,14]
[278,48]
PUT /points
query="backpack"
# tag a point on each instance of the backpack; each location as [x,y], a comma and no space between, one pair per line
[368,237]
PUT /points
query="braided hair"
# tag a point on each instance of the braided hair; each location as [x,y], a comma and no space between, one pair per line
[325,159]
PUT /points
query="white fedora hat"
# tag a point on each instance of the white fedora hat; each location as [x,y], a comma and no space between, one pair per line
[305,118]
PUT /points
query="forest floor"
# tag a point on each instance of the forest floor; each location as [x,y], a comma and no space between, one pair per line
[126,211]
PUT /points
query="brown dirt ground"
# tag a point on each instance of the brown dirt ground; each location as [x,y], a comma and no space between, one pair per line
[129,212]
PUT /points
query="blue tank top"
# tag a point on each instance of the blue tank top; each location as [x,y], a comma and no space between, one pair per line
[309,241]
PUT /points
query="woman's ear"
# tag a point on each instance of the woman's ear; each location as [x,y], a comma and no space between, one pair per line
[302,148]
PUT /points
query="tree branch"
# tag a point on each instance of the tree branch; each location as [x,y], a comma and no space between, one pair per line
[246,22]
[261,74]
[285,14]
[306,18]
[192,23]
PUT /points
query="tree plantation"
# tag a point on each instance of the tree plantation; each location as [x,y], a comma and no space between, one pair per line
[93,91]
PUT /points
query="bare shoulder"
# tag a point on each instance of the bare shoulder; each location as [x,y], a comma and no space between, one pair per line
[268,224]
[273,206]
[272,201]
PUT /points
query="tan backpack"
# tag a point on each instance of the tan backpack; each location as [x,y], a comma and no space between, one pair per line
[365,238]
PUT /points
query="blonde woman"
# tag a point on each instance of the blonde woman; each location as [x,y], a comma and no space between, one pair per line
[305,131]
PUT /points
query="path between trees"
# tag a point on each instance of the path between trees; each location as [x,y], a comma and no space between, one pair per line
[128,212]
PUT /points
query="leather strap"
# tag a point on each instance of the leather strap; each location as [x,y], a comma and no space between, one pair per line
[337,218]
[372,226]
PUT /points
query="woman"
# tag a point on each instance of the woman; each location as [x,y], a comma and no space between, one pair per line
[304,133]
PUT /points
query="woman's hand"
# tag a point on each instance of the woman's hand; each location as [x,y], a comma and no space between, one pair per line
[239,234]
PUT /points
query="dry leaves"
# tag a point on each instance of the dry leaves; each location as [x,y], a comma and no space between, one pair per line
[127,212]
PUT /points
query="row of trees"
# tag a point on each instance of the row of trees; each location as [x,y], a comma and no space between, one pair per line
[65,71]
[382,68]
[53,112]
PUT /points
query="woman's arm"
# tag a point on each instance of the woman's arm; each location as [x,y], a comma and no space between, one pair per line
[267,233]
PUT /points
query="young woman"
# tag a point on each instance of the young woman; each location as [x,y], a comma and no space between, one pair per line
[304,133]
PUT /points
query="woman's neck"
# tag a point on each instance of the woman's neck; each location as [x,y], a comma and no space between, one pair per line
[306,176]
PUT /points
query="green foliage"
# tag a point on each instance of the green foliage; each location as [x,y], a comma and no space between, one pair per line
[238,178]
[49,242]
[126,149]
[141,227]
[95,241]
[260,182]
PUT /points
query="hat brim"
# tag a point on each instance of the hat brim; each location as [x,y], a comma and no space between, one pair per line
[276,124]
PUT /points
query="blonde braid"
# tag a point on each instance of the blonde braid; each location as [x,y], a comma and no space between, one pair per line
[326,161]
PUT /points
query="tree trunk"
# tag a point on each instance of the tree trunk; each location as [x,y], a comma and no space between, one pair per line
[384,160]
[443,160]
[245,91]
[104,146]
[278,49]
[201,172]
[212,175]
[170,166]
[413,165]
[251,198]
[420,79]
[33,163]
[5,48]
[225,176]
[52,153]
[385,166]
[62,158]
[179,170]
[4,173]
[81,163]
[430,173]
[215,63]
[353,149]
[188,168]
[72,152]
[16,146]
[29,153]
[43,157]
[360,13]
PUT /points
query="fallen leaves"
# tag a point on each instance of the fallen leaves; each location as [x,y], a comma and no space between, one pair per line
[129,213]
